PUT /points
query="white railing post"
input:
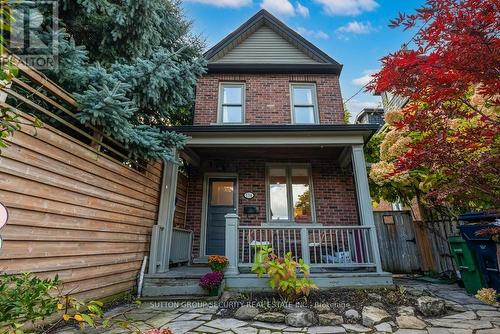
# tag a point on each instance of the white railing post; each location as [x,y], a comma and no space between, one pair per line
[232,241]
[364,200]
[304,244]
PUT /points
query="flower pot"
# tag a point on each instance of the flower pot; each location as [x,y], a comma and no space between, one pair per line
[213,292]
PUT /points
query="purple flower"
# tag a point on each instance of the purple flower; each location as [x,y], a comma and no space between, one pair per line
[211,280]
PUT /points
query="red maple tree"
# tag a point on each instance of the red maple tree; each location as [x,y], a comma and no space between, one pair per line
[452,79]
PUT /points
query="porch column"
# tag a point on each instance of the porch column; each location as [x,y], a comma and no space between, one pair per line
[364,199]
[232,241]
[161,238]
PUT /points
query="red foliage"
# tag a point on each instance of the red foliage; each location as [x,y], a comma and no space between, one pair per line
[456,49]
[457,46]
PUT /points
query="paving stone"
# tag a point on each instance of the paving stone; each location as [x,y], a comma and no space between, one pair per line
[205,329]
[140,316]
[264,331]
[293,329]
[489,314]
[489,331]
[469,315]
[268,325]
[492,320]
[181,327]
[409,322]
[226,324]
[161,319]
[205,310]
[270,317]
[245,330]
[384,327]
[373,315]
[187,316]
[326,330]
[480,307]
[464,324]
[439,330]
[410,331]
[454,306]
[206,317]
[352,328]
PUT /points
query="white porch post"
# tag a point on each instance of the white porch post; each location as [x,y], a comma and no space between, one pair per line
[232,241]
[162,232]
[364,199]
[304,244]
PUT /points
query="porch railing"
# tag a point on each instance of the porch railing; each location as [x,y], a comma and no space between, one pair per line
[319,246]
[180,250]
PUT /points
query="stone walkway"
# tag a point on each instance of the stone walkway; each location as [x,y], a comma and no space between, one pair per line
[469,316]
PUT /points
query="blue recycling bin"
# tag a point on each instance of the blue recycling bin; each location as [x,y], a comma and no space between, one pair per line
[484,248]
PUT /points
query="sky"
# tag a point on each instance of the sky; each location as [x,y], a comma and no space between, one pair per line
[353,32]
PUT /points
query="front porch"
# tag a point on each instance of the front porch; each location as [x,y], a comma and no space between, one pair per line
[303,192]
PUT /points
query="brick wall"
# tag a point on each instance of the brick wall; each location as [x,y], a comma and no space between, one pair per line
[334,193]
[268,97]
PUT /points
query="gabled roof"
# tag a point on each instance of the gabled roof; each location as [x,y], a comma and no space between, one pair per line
[319,62]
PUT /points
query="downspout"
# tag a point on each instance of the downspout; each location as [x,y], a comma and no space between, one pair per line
[141,276]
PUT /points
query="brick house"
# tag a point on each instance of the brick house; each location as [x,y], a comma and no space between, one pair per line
[271,162]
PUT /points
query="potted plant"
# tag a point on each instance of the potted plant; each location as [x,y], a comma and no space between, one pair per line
[217,262]
[211,282]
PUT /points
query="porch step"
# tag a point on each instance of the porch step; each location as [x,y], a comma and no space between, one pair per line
[172,287]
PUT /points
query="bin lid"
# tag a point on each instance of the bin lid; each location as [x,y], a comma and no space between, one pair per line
[484,216]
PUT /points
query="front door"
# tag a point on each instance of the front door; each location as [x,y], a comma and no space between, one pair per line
[221,201]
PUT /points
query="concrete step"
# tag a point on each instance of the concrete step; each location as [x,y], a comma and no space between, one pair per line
[162,287]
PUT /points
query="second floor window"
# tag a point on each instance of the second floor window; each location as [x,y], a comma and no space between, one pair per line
[232,103]
[304,104]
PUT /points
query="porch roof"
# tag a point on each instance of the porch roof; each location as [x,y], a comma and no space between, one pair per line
[248,135]
[276,135]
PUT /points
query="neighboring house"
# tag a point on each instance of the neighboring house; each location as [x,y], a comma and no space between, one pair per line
[270,162]
[371,116]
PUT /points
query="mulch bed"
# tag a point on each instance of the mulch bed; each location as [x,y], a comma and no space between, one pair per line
[339,300]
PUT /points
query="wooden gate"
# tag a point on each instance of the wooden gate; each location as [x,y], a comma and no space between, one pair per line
[408,246]
[397,242]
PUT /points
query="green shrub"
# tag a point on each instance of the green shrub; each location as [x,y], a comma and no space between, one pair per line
[283,274]
[25,298]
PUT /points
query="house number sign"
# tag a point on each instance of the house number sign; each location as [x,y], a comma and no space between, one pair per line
[249,195]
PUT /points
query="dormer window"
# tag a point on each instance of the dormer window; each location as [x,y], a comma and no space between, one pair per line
[304,103]
[231,103]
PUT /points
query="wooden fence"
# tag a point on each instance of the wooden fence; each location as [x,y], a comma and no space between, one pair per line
[409,246]
[76,206]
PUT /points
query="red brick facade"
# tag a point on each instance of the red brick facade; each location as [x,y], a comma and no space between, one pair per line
[268,97]
[333,190]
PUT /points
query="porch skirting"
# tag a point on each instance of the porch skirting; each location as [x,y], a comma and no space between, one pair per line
[249,282]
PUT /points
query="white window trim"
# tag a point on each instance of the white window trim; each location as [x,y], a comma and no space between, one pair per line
[243,98]
[315,100]
[288,167]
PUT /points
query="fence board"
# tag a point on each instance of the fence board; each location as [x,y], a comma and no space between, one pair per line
[75,213]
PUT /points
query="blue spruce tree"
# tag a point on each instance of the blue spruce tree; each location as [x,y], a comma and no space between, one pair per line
[132,66]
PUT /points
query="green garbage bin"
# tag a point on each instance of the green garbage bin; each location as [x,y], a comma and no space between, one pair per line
[467,264]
